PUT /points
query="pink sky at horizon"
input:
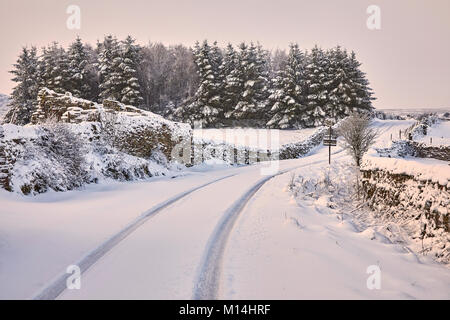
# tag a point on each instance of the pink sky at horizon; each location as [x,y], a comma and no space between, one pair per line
[407,62]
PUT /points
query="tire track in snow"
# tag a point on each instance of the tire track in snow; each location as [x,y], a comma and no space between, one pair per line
[58,285]
[209,274]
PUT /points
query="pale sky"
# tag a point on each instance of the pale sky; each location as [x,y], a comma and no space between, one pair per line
[407,61]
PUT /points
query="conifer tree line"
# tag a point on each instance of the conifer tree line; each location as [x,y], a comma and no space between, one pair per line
[236,85]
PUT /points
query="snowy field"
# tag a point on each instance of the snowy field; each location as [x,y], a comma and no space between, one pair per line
[439,134]
[422,168]
[277,248]
[413,111]
[257,138]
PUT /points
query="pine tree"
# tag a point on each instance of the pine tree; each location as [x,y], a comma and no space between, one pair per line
[206,107]
[229,64]
[109,68]
[348,89]
[249,83]
[262,94]
[287,95]
[78,72]
[93,76]
[338,84]
[235,78]
[24,94]
[315,93]
[362,96]
[131,91]
[54,69]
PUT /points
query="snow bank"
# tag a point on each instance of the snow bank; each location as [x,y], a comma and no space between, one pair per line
[420,169]
[438,135]
[413,192]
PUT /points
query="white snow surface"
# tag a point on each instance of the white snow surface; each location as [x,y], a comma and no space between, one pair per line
[302,250]
[253,138]
[423,169]
[439,134]
[278,249]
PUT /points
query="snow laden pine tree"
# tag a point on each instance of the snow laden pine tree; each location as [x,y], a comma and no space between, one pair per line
[109,61]
[54,69]
[362,94]
[347,86]
[287,93]
[206,107]
[339,84]
[131,57]
[118,67]
[78,72]
[229,63]
[24,94]
[316,94]
[248,82]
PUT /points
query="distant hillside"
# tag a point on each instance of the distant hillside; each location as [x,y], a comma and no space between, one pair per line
[4,99]
[413,111]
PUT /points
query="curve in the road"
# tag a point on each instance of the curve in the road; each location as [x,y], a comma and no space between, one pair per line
[59,284]
[208,279]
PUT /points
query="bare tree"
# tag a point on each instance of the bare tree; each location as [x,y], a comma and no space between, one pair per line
[358,135]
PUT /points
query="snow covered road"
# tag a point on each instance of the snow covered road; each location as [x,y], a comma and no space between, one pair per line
[305,251]
[223,233]
[174,244]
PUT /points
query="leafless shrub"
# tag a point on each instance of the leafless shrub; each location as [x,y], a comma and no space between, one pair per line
[67,148]
[358,135]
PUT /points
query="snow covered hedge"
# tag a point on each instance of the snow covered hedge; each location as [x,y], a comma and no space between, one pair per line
[414,192]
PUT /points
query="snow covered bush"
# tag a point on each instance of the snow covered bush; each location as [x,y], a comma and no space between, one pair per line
[413,193]
[335,183]
[53,159]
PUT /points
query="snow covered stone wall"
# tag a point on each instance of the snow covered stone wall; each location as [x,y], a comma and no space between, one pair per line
[136,132]
[415,193]
[206,150]
[299,149]
[74,141]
